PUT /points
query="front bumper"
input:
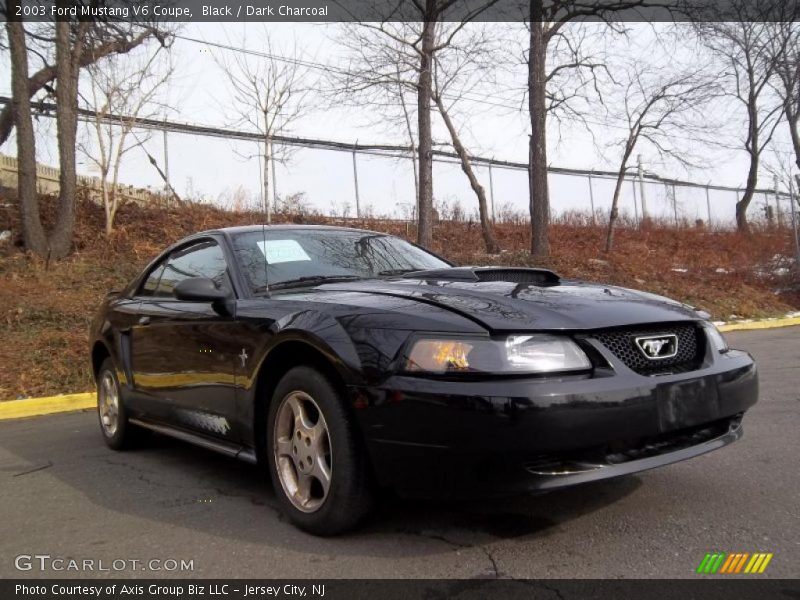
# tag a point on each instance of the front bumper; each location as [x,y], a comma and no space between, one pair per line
[444,437]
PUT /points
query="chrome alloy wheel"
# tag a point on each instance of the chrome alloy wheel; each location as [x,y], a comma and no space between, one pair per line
[302,451]
[108,404]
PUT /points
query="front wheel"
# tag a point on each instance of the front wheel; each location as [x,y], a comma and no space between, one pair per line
[118,433]
[317,465]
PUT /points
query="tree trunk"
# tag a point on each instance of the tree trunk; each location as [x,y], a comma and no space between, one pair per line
[755,154]
[114,195]
[424,92]
[410,137]
[749,191]
[612,219]
[67,65]
[265,176]
[537,169]
[33,233]
[492,246]
[107,204]
[792,118]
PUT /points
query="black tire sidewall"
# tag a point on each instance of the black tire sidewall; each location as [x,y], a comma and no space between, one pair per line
[121,437]
[349,496]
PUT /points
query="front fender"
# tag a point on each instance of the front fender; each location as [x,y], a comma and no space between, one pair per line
[323,333]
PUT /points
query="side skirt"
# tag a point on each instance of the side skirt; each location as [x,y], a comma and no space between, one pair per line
[243,453]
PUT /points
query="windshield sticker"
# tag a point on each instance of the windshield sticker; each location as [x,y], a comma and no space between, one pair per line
[281,251]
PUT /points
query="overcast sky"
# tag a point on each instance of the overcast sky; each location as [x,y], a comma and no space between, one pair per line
[213,168]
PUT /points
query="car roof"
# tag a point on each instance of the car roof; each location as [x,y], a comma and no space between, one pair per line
[283,227]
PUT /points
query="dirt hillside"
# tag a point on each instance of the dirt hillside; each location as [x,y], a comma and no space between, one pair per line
[46,308]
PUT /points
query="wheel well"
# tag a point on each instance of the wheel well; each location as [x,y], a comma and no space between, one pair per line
[280,360]
[99,354]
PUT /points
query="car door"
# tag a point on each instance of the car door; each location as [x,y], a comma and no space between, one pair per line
[184,353]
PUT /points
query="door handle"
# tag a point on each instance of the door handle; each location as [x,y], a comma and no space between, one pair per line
[145,320]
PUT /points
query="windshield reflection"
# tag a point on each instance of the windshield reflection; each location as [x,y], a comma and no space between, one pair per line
[311,256]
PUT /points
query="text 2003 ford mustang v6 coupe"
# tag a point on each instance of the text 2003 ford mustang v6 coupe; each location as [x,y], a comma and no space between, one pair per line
[345,359]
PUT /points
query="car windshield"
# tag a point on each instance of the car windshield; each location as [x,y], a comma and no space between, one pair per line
[289,258]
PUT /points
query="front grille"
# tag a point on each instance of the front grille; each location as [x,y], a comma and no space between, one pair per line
[621,343]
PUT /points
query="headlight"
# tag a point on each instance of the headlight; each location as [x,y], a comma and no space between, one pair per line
[717,339]
[537,353]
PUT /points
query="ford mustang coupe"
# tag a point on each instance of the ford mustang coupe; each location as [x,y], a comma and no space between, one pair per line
[343,360]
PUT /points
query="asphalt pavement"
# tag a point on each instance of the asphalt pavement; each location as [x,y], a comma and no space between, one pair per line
[63,494]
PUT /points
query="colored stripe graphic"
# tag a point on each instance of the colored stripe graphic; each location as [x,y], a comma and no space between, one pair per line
[727,566]
[741,562]
[764,564]
[711,562]
[741,557]
[703,563]
[720,562]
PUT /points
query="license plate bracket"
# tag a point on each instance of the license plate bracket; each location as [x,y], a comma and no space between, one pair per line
[687,403]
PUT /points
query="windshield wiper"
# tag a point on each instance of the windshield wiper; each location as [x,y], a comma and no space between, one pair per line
[309,280]
[390,272]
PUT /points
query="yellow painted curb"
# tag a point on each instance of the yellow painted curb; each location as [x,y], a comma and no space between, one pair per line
[31,407]
[763,324]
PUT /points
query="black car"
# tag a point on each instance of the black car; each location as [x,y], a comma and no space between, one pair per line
[347,360]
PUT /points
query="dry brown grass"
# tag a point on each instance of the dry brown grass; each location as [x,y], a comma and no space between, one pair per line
[46,309]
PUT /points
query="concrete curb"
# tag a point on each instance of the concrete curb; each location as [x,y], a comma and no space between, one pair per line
[760,324]
[32,407]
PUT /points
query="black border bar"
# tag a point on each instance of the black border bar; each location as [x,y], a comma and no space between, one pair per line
[199,11]
[731,588]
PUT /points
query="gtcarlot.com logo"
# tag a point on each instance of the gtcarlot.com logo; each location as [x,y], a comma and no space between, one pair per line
[734,563]
[46,562]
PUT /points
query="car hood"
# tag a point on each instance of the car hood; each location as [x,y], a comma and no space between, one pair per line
[507,306]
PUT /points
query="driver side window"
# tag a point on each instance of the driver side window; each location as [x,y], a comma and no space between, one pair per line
[203,259]
[149,286]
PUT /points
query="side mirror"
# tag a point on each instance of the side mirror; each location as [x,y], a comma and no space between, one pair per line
[200,289]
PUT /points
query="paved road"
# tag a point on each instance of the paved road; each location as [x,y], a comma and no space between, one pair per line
[63,493]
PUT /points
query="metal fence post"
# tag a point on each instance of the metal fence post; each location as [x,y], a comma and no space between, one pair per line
[778,211]
[768,212]
[640,171]
[491,189]
[355,182]
[795,224]
[166,162]
[274,176]
[675,203]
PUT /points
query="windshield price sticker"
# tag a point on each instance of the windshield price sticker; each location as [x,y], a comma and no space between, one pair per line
[281,251]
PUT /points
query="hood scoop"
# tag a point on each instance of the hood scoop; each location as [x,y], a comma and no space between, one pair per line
[524,275]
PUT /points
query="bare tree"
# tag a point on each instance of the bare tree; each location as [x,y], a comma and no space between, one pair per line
[656,107]
[413,46]
[744,49]
[122,93]
[547,19]
[380,72]
[784,41]
[269,94]
[464,67]
[70,43]
[63,49]
[33,233]
[102,38]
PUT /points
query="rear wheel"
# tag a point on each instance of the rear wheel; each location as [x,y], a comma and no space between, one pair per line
[318,468]
[117,432]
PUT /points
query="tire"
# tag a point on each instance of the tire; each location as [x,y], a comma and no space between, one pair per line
[117,432]
[301,452]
